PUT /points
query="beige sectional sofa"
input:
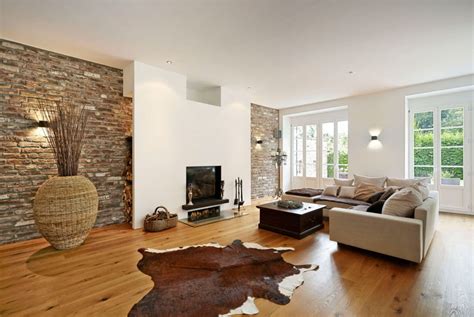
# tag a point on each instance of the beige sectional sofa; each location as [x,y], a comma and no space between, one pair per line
[405,238]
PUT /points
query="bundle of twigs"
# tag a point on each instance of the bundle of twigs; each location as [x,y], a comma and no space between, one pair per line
[67,125]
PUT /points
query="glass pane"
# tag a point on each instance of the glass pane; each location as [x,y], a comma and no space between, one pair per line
[310,170]
[423,120]
[311,164]
[423,138]
[423,171]
[311,138]
[299,164]
[342,140]
[328,143]
[328,171]
[452,117]
[451,137]
[298,135]
[452,176]
[423,156]
[343,172]
[452,156]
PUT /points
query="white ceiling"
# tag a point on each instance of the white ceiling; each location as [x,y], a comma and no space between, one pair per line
[289,52]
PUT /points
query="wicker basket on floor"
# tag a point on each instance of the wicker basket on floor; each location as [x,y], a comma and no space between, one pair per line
[65,210]
[161,219]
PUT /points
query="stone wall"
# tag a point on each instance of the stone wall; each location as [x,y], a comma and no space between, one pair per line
[264,122]
[25,159]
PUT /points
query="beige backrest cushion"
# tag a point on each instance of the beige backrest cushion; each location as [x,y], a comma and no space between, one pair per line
[365,190]
[377,181]
[343,182]
[331,190]
[347,192]
[404,182]
[422,189]
[403,203]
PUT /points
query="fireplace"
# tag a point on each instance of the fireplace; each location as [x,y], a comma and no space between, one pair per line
[205,183]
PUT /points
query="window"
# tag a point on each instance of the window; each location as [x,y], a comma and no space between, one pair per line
[321,151]
[452,146]
[311,144]
[342,149]
[328,150]
[423,146]
[298,150]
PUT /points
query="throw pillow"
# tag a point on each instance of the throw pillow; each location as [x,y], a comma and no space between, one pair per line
[364,191]
[343,182]
[422,189]
[377,181]
[376,207]
[331,190]
[403,203]
[375,197]
[405,182]
[387,193]
[347,192]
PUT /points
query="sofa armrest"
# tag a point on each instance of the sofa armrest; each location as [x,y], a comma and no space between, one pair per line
[428,213]
[394,236]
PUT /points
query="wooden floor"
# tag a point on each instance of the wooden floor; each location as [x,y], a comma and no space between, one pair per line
[100,278]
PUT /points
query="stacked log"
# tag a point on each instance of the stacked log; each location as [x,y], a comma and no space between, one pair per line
[127,191]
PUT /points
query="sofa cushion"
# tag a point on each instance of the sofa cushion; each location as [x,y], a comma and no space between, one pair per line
[346,192]
[337,200]
[365,190]
[375,197]
[389,191]
[376,207]
[305,192]
[331,190]
[404,182]
[403,203]
[422,189]
[377,181]
[343,182]
[360,207]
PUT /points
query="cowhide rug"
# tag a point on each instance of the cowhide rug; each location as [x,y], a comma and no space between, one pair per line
[215,280]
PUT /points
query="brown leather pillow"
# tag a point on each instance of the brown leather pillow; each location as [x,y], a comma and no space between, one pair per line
[365,190]
[388,192]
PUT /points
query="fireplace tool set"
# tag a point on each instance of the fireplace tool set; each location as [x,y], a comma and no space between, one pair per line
[239,196]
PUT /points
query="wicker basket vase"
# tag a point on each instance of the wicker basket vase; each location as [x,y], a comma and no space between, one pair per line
[65,210]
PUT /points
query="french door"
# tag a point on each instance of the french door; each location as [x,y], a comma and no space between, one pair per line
[440,150]
[319,153]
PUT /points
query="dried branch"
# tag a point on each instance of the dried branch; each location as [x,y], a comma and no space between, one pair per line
[67,125]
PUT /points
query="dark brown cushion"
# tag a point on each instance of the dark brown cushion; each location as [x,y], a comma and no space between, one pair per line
[376,207]
[388,192]
[305,192]
[375,197]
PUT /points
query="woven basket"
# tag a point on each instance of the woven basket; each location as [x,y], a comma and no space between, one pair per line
[153,223]
[65,210]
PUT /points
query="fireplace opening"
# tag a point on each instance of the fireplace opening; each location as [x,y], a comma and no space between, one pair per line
[205,182]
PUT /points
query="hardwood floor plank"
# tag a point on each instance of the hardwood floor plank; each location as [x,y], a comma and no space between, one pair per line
[100,278]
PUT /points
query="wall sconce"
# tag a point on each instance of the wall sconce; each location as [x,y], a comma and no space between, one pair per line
[43,124]
[375,143]
[259,141]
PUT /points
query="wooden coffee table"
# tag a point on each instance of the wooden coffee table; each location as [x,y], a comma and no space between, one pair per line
[296,223]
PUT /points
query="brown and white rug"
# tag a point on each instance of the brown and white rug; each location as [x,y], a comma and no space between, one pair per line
[216,280]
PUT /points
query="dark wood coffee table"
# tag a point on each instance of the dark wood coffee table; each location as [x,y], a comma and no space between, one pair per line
[296,223]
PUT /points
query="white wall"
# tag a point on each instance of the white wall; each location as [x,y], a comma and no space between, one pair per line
[384,111]
[171,132]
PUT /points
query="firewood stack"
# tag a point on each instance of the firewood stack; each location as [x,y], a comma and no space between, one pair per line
[127,191]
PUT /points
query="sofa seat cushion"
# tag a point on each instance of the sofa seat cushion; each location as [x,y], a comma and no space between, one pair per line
[360,207]
[305,192]
[345,201]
